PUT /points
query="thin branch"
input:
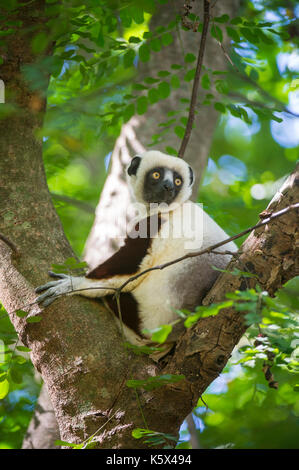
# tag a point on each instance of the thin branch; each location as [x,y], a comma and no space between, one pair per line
[209,249]
[256,85]
[188,130]
[74,202]
[259,104]
[9,243]
[227,252]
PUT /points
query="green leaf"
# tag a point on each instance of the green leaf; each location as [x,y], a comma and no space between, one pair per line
[39,42]
[134,40]
[167,123]
[129,58]
[232,33]
[7,32]
[19,359]
[153,96]
[139,433]
[237,20]
[164,90]
[144,53]
[4,389]
[21,313]
[222,86]
[217,33]
[23,348]
[34,319]
[149,6]
[171,151]
[205,81]
[179,131]
[249,35]
[142,104]
[206,311]
[151,80]
[264,37]
[139,86]
[155,44]
[176,66]
[15,375]
[136,13]
[189,75]
[221,19]
[128,112]
[147,35]
[3,376]
[160,334]
[163,73]
[175,82]
[58,442]
[167,39]
[189,58]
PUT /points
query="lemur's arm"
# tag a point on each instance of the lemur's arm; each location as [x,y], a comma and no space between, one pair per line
[70,285]
[110,275]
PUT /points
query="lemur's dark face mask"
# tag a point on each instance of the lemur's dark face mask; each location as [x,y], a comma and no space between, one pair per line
[161,185]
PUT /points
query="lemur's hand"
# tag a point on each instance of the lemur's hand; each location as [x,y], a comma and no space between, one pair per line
[54,289]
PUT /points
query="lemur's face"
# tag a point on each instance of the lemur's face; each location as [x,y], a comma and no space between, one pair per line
[156,177]
[161,184]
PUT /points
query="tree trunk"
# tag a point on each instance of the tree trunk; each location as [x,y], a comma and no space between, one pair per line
[76,346]
[111,213]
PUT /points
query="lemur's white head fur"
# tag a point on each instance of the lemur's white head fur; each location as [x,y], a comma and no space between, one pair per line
[142,164]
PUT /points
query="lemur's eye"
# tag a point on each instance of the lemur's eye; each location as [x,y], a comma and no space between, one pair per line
[178,181]
[156,175]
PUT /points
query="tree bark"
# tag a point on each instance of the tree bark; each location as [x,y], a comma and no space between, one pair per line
[112,215]
[76,346]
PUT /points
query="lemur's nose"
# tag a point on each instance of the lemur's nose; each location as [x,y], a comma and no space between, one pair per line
[167,185]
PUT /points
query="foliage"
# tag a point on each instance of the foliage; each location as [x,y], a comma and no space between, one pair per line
[249,411]
[94,89]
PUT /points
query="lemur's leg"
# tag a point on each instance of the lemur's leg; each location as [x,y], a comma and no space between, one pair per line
[70,285]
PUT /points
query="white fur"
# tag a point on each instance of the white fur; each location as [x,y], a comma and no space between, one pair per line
[181,285]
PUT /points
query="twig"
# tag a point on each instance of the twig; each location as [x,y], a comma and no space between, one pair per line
[227,252]
[74,202]
[249,80]
[86,441]
[10,244]
[259,104]
[209,249]
[188,130]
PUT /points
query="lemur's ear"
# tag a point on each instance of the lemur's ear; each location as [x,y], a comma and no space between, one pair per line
[132,169]
[191,176]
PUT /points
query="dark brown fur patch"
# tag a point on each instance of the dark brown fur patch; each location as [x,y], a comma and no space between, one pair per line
[128,258]
[128,310]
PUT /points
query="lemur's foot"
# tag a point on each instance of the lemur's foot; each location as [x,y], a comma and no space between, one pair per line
[54,289]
